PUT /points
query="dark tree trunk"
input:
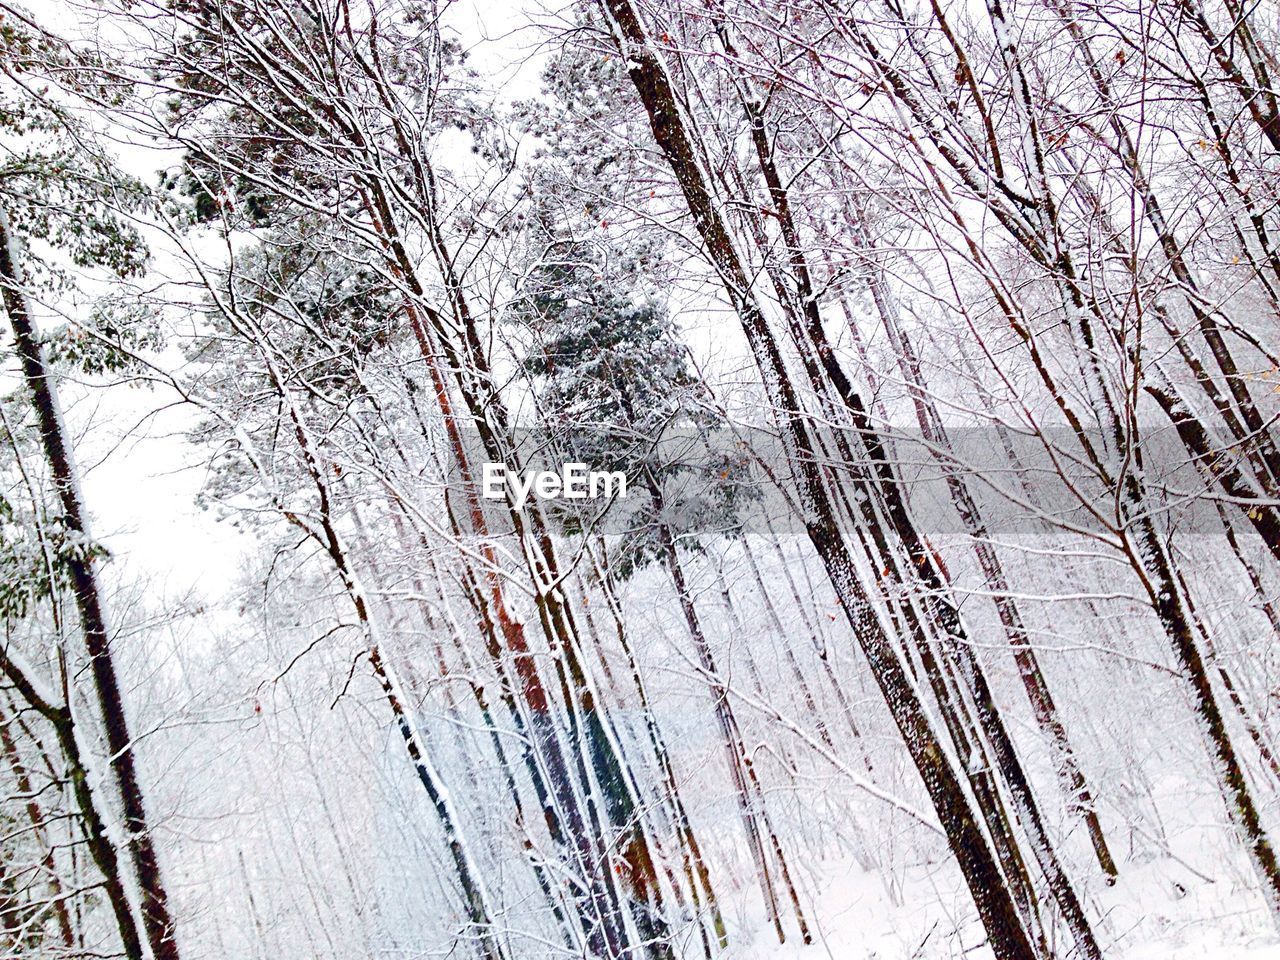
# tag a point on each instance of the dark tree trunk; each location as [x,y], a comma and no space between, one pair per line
[161,933]
[1007,935]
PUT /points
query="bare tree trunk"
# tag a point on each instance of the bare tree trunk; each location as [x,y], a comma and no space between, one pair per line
[35,816]
[608,932]
[693,849]
[327,537]
[668,790]
[495,738]
[1006,932]
[488,415]
[160,929]
[1162,587]
[1247,718]
[780,635]
[799,300]
[934,432]
[102,850]
[741,768]
[812,622]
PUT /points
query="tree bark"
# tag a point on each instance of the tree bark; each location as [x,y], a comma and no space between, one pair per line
[161,932]
[1007,935]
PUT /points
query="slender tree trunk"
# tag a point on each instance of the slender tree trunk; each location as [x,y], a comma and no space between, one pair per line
[1162,587]
[1247,719]
[812,619]
[608,932]
[1042,702]
[474,897]
[780,636]
[1006,933]
[35,816]
[671,784]
[1143,546]
[157,920]
[488,415]
[799,300]
[741,768]
[102,849]
[666,793]
[495,738]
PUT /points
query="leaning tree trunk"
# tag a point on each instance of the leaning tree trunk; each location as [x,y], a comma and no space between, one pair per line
[692,850]
[481,700]
[934,432]
[157,920]
[1006,932]
[1144,548]
[799,300]
[475,899]
[746,781]
[36,817]
[102,848]
[535,724]
[485,410]
[1150,559]
[580,840]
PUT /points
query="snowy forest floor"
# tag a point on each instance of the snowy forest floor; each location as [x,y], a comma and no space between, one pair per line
[1195,904]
